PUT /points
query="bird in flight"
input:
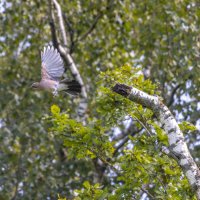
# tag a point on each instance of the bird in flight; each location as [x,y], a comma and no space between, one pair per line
[51,73]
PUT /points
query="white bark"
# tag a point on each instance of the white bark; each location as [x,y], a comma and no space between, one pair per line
[177,146]
[73,69]
[61,23]
[64,51]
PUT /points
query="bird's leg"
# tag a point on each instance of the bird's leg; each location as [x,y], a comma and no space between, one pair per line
[55,91]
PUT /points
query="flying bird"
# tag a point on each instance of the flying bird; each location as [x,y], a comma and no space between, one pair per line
[51,73]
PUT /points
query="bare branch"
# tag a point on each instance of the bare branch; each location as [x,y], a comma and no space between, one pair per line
[171,99]
[62,49]
[71,33]
[177,144]
[93,25]
[61,23]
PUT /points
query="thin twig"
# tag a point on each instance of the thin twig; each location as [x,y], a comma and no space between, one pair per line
[143,125]
[105,161]
[147,192]
[125,132]
[93,25]
[125,141]
[70,30]
[150,172]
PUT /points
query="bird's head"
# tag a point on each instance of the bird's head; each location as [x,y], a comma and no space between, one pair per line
[35,85]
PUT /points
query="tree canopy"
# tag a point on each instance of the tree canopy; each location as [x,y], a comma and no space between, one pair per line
[113,149]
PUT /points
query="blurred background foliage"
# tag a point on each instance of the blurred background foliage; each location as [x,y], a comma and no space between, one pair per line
[160,41]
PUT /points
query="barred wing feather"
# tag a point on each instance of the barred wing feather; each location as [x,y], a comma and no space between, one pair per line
[52,64]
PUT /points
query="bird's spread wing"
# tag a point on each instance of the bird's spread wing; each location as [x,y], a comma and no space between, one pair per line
[52,64]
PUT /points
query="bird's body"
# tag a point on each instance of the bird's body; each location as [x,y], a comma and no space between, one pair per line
[51,72]
[49,85]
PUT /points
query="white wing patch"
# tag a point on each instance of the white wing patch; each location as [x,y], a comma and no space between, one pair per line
[52,63]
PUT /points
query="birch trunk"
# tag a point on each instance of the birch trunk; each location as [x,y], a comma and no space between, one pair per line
[177,146]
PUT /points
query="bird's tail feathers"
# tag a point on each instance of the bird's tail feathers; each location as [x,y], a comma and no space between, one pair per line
[71,87]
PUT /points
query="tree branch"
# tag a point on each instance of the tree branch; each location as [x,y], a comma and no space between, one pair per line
[125,140]
[147,192]
[71,33]
[124,132]
[63,49]
[93,25]
[171,99]
[61,23]
[176,141]
[52,26]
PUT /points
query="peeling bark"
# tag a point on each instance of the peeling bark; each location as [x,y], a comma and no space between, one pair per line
[177,149]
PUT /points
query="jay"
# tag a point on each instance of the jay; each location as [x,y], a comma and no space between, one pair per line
[51,72]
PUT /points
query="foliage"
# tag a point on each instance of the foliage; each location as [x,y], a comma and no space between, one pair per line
[82,141]
[187,126]
[44,153]
[136,165]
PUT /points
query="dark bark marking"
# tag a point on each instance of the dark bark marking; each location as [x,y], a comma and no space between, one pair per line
[122,89]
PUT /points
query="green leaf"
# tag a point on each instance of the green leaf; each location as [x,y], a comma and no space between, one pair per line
[86,184]
[187,126]
[55,110]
